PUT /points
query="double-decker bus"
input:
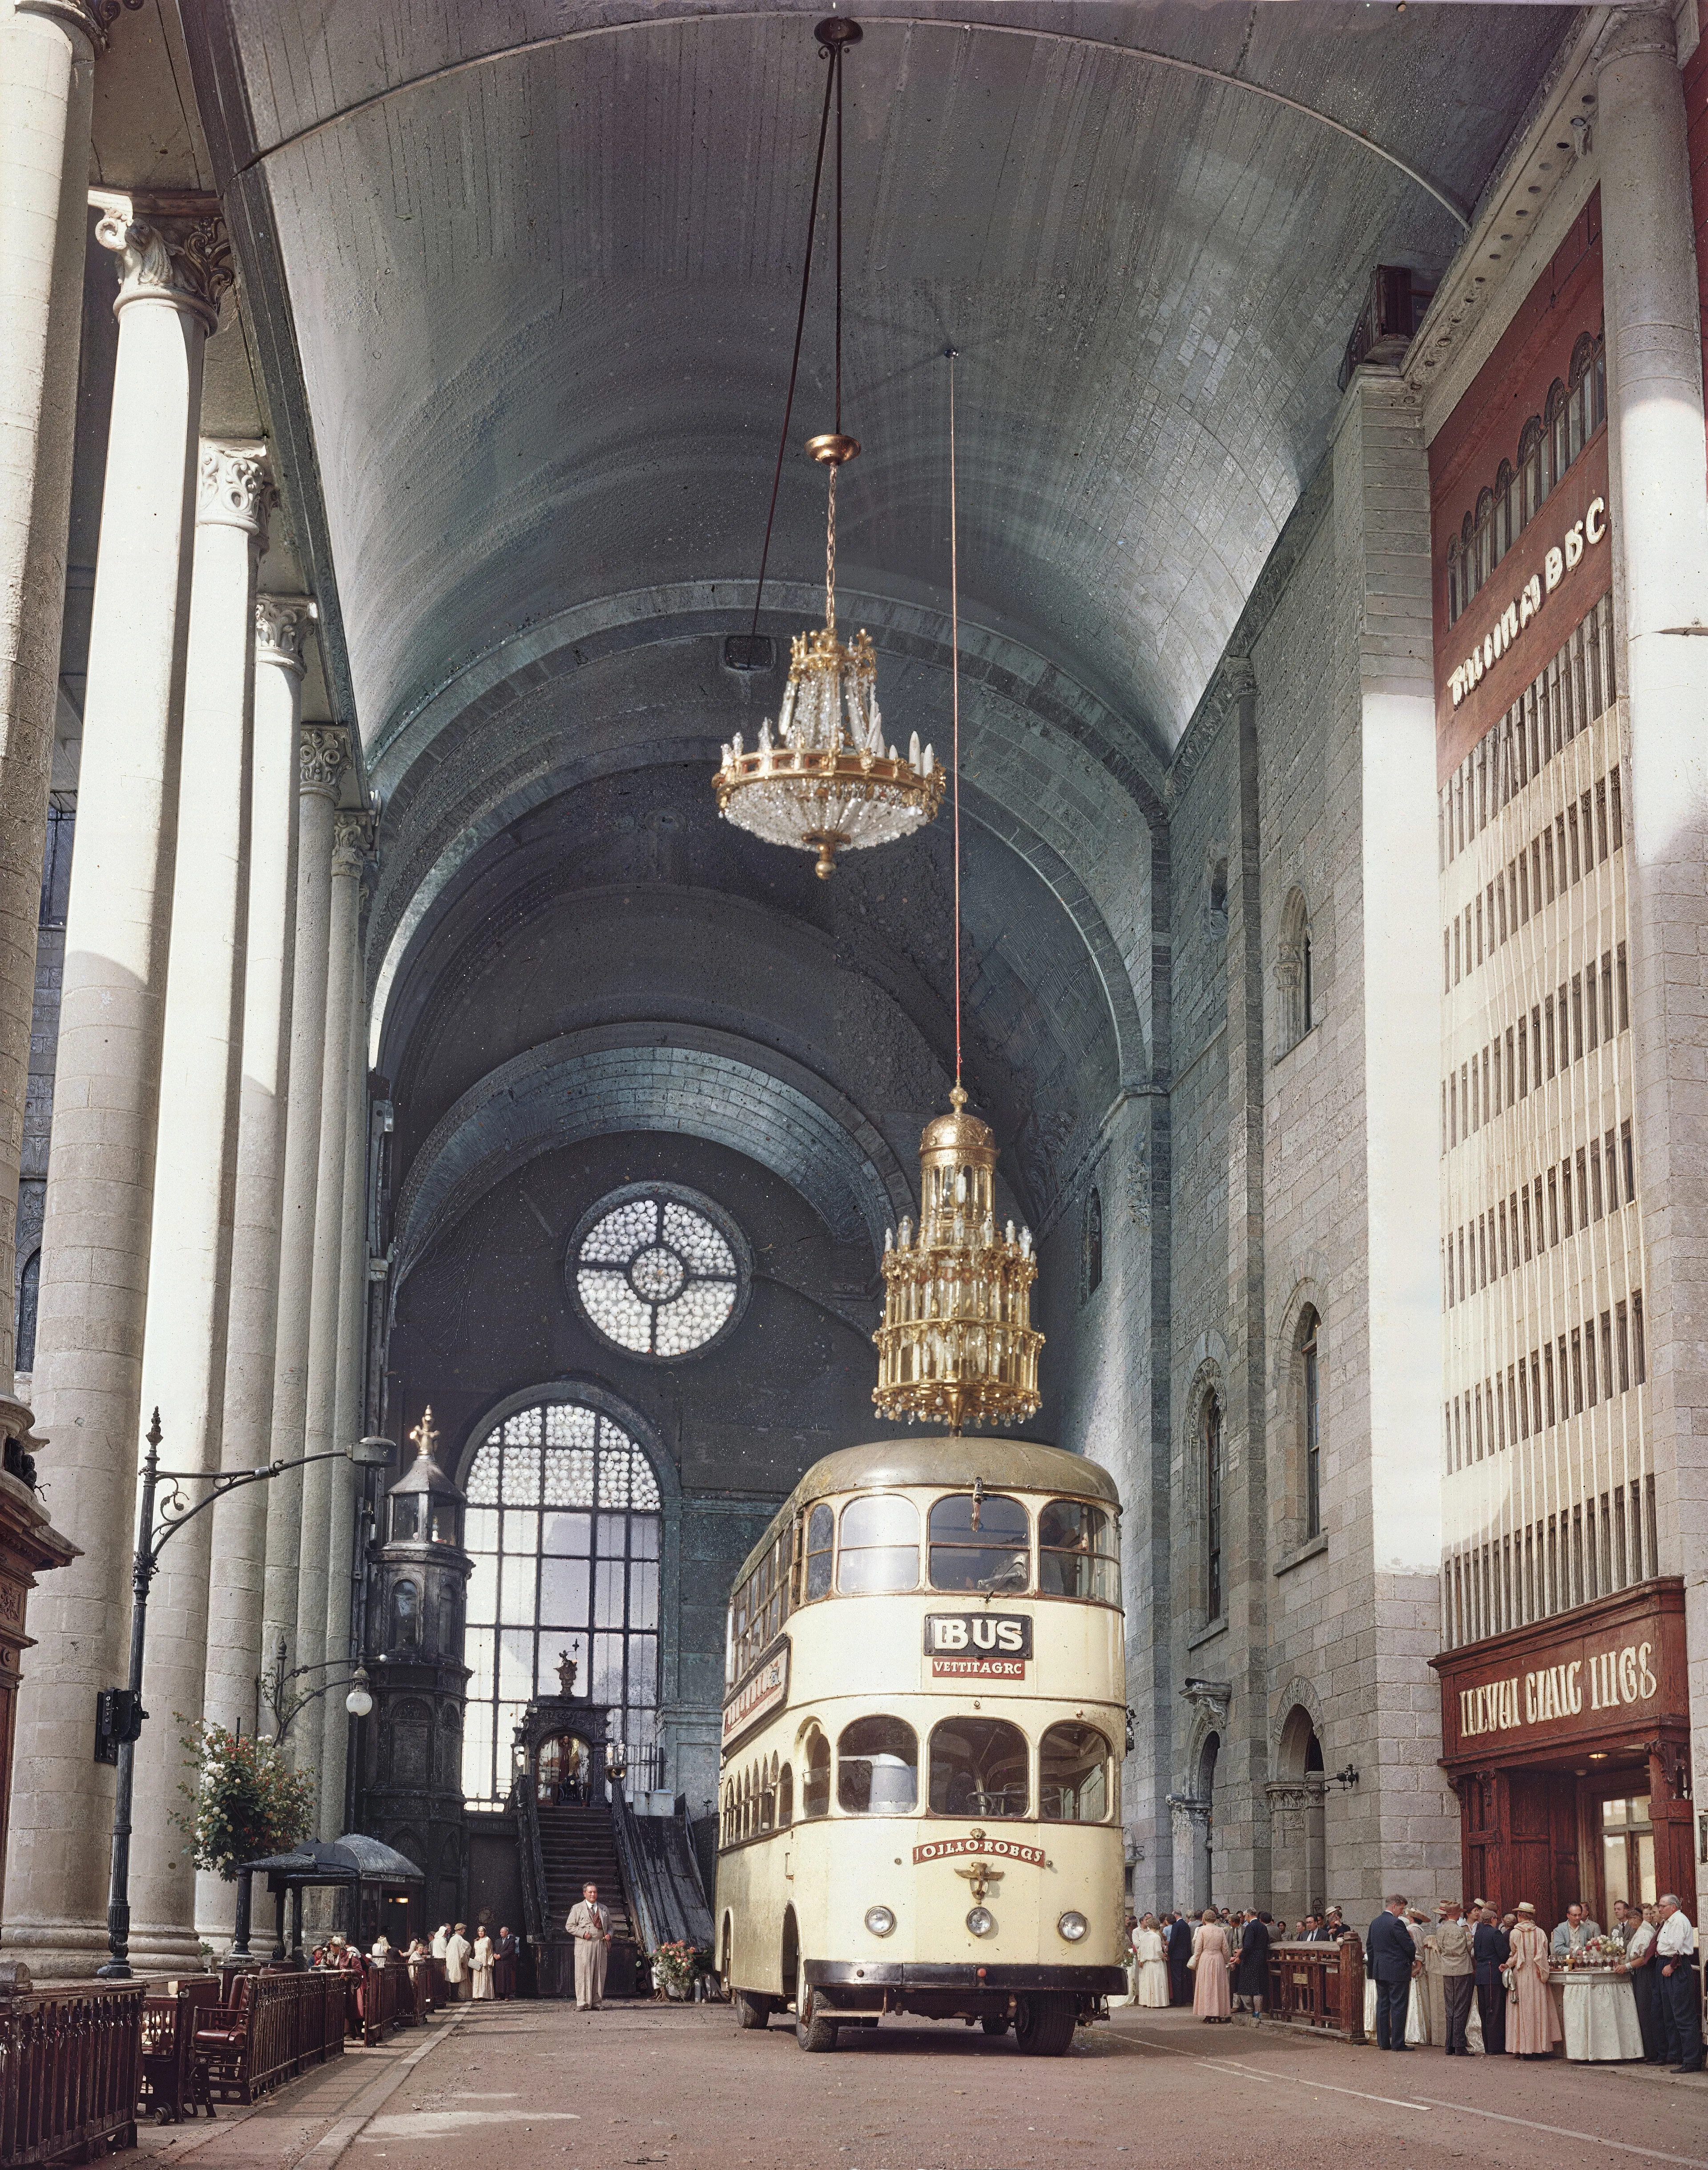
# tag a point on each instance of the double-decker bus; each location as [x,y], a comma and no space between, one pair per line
[922,1729]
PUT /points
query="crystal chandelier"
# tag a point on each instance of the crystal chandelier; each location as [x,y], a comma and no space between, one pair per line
[822,778]
[957,1344]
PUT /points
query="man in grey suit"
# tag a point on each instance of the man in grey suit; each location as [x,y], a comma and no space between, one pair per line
[1573,1933]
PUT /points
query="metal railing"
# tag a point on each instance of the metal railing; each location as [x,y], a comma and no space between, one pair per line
[70,2069]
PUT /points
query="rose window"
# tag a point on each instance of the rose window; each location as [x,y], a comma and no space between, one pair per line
[655,1273]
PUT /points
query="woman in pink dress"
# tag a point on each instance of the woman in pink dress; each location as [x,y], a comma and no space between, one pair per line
[1210,1998]
[1531,2028]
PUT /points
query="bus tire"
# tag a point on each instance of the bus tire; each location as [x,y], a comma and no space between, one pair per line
[1044,2024]
[995,2022]
[752,2009]
[812,2030]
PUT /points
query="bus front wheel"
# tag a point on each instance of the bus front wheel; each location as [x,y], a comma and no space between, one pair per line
[1044,2024]
[752,2009]
[812,2030]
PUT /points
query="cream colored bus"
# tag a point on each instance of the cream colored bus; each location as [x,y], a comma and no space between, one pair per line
[925,1719]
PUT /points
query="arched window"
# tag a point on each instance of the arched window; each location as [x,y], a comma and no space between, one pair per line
[1455,579]
[29,1289]
[406,1630]
[1506,499]
[1093,1242]
[979,1768]
[879,1544]
[1294,972]
[877,1768]
[564,1526]
[1074,1775]
[1482,537]
[815,1778]
[1211,1441]
[785,1797]
[1310,1422]
[1557,433]
[1587,403]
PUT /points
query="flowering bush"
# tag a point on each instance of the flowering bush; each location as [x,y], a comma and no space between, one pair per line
[244,1800]
[675,1966]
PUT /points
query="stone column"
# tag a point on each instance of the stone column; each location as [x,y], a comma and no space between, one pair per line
[240,1520]
[320,1491]
[348,1410]
[46,93]
[325,752]
[1660,514]
[195,1154]
[99,1206]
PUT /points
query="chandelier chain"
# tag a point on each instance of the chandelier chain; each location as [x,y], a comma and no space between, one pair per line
[955,690]
[830,558]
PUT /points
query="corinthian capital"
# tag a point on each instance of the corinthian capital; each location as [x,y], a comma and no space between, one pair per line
[323,756]
[235,487]
[171,249]
[352,842]
[1643,28]
[279,624]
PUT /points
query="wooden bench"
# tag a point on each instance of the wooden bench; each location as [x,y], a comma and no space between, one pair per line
[175,2072]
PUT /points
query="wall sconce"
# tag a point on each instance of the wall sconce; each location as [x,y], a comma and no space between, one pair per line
[1348,1777]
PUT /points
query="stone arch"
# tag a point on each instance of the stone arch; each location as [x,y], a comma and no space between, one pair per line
[1297,1700]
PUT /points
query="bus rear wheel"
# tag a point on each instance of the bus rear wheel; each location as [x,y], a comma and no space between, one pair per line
[752,2009]
[1044,2024]
[812,2030]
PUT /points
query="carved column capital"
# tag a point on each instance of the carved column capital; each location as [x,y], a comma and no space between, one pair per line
[172,248]
[1189,1811]
[279,624]
[1232,681]
[234,487]
[94,18]
[352,842]
[323,756]
[1639,29]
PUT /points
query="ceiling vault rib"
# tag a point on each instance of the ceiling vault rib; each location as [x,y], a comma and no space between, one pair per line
[963,25]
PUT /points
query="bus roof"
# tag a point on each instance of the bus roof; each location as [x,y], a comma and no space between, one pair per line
[942,1458]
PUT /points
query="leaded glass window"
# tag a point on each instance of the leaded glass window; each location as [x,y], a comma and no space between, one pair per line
[656,1274]
[564,1527]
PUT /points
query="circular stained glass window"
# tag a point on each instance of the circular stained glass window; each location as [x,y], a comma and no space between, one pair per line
[660,1271]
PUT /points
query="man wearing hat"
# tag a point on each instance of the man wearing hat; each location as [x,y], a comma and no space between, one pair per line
[1453,1941]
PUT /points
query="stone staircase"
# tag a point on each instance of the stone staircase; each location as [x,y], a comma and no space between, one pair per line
[577,1845]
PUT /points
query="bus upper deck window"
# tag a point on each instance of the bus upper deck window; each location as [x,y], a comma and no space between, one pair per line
[877,1767]
[979,1768]
[1074,1775]
[979,1541]
[815,1775]
[1077,1552]
[880,1545]
[820,1526]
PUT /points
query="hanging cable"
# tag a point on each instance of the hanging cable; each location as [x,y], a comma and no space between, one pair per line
[833,54]
[954,687]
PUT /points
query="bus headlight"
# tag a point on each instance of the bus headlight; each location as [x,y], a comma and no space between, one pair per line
[982,1921]
[879,1921]
[1073,1926]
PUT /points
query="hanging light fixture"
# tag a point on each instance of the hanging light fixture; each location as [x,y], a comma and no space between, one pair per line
[821,778]
[958,1345]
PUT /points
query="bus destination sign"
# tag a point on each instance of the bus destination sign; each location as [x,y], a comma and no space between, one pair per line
[1000,1849]
[980,1646]
[765,1689]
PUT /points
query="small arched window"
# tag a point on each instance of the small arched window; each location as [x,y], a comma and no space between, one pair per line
[1482,537]
[1093,1243]
[880,1545]
[979,1768]
[29,1292]
[1212,1447]
[1455,580]
[1310,1421]
[1295,972]
[1557,433]
[1074,1775]
[1505,527]
[1533,486]
[406,1617]
[1587,404]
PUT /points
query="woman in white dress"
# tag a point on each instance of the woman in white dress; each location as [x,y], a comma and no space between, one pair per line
[1152,1963]
[480,1965]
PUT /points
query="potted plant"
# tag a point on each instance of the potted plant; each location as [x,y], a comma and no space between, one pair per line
[673,1971]
[244,1800]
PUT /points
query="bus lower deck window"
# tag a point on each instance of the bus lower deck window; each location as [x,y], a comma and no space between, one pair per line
[1074,1775]
[979,1768]
[815,1776]
[980,1543]
[877,1767]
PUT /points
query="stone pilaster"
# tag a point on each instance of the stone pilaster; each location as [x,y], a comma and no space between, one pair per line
[99,1203]
[323,755]
[1660,514]
[196,1153]
[46,94]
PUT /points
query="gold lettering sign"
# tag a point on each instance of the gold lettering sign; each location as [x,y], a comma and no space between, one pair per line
[1606,1679]
[1564,557]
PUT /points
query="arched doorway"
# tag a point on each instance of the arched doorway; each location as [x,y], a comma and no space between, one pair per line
[1204,1827]
[1297,1834]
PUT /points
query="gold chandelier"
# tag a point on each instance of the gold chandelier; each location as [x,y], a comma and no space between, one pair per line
[822,777]
[957,1345]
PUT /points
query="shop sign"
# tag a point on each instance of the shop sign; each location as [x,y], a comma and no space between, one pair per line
[1000,1849]
[1562,558]
[1616,1673]
[765,1689]
[980,1646]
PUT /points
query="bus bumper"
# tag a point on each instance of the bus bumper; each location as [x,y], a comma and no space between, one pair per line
[900,1977]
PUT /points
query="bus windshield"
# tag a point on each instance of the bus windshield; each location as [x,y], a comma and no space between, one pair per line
[1074,1775]
[979,1768]
[877,1767]
[980,1543]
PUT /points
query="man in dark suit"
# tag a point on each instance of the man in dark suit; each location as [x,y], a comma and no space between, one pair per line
[1180,1951]
[1391,1954]
[1252,1968]
[1491,1949]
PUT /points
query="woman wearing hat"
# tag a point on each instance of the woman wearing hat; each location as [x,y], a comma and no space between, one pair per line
[1531,2028]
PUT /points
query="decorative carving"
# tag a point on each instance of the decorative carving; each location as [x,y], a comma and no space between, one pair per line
[352,845]
[1188,1809]
[279,624]
[1674,1760]
[235,487]
[1138,1181]
[567,1670]
[1638,29]
[94,18]
[424,1438]
[323,756]
[1214,1698]
[167,255]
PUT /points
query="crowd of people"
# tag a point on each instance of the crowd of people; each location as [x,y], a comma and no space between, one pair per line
[1470,1981]
[475,1971]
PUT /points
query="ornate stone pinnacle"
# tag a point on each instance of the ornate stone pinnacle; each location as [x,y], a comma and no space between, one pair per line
[167,255]
[323,756]
[352,842]
[279,624]
[235,487]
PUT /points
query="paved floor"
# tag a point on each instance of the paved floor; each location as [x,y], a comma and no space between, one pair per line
[541,2087]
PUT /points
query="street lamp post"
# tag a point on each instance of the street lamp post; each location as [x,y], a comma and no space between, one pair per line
[119,1712]
[274,1685]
